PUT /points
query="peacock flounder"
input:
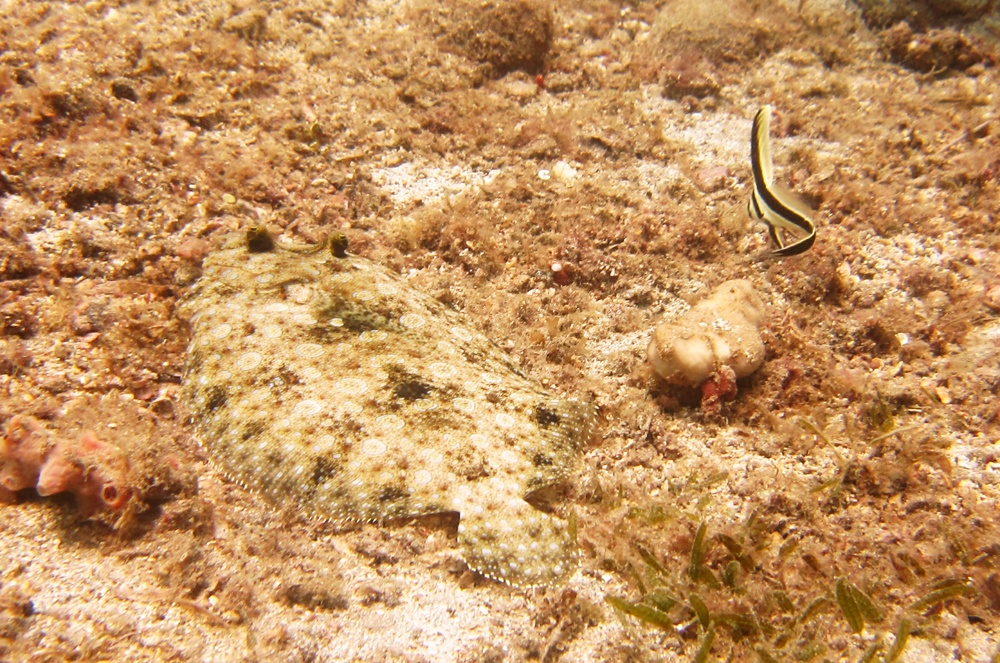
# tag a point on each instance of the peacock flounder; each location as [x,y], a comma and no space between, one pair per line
[323,381]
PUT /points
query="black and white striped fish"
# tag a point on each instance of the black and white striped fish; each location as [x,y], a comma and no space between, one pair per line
[776,206]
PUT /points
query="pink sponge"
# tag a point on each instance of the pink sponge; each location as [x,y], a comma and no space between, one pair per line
[93,470]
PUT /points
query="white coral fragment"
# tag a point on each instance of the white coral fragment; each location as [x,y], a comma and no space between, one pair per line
[721,330]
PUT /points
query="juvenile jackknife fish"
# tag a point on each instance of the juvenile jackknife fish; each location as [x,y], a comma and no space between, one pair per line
[772,203]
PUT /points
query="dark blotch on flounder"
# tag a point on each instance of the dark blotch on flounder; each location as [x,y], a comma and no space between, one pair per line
[216,398]
[324,469]
[412,390]
[546,417]
[325,382]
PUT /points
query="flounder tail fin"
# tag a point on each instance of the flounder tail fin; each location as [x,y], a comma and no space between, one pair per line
[518,545]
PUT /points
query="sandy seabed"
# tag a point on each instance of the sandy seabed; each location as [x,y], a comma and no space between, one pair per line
[566,176]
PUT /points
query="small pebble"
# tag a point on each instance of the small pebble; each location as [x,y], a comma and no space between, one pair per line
[560,273]
[564,172]
[711,179]
[936,299]
[993,298]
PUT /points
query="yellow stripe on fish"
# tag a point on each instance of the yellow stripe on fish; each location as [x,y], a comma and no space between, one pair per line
[770,202]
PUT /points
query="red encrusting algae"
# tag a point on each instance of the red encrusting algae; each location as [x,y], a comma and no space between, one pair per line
[89,468]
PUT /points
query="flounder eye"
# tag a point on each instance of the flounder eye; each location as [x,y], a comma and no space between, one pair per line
[338,245]
[259,240]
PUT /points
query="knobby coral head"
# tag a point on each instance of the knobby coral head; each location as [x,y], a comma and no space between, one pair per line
[722,330]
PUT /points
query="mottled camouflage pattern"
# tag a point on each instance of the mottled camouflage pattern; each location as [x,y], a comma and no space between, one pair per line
[329,384]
